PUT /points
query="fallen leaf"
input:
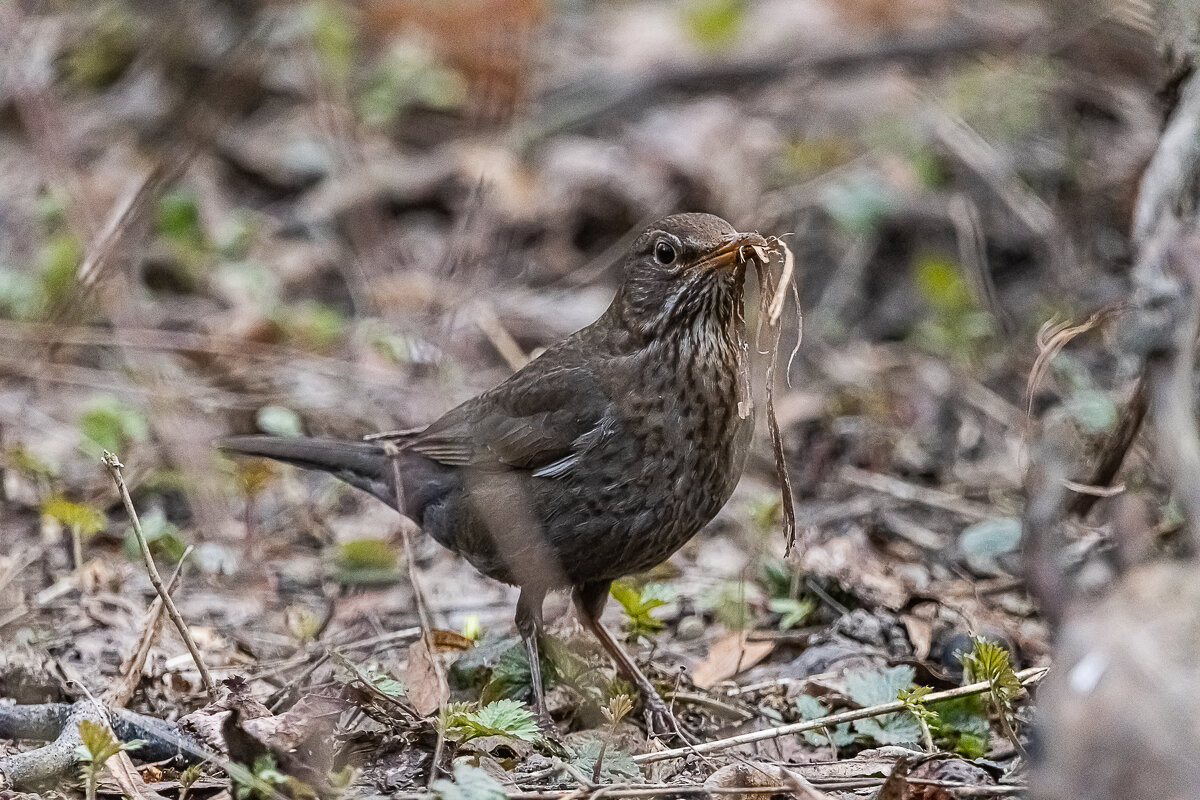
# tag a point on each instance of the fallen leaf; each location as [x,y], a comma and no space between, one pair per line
[730,655]
[896,785]
[450,640]
[425,684]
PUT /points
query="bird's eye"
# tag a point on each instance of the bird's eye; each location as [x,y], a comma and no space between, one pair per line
[664,253]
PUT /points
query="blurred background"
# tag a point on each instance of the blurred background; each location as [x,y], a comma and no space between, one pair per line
[341,217]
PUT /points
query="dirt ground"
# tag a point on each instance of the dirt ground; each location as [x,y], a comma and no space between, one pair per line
[339,218]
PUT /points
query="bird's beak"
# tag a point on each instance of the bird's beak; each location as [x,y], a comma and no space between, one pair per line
[734,250]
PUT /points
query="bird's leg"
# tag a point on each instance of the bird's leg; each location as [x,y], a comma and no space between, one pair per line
[589,603]
[529,625]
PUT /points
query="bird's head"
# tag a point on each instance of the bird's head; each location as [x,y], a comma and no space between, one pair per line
[684,269]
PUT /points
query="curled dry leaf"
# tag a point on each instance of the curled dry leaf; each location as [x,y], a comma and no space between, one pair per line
[424,683]
[730,655]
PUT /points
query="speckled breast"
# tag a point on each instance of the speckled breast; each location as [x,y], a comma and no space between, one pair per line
[674,460]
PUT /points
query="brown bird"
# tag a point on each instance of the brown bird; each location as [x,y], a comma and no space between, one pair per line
[598,459]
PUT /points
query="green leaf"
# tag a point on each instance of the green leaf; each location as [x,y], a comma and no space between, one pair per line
[810,707]
[618,766]
[875,687]
[731,603]
[990,662]
[58,261]
[21,460]
[386,684]
[104,50]
[460,722]
[714,22]
[259,781]
[83,519]
[776,576]
[410,75]
[470,783]
[871,688]
[279,421]
[99,743]
[794,610]
[637,605]
[177,218]
[955,324]
[334,37]
[109,424]
[962,725]
[165,540]
[366,561]
[312,326]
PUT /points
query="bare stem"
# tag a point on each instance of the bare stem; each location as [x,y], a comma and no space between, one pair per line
[114,469]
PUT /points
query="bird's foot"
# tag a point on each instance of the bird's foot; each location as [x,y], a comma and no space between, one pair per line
[545,723]
[660,721]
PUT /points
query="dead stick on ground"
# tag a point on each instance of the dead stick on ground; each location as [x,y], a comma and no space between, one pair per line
[119,693]
[912,493]
[114,469]
[1027,677]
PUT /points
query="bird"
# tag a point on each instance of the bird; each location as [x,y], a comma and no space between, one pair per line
[599,458]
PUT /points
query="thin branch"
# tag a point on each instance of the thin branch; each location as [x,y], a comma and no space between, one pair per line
[1114,448]
[912,493]
[1028,676]
[114,469]
[119,693]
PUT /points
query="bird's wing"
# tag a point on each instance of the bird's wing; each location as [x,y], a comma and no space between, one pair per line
[539,420]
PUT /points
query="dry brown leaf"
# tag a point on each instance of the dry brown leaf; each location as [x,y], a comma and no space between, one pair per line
[424,683]
[449,640]
[896,785]
[730,655]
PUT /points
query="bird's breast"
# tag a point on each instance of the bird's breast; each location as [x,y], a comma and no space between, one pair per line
[676,455]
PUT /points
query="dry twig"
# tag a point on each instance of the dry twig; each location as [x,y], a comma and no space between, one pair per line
[114,469]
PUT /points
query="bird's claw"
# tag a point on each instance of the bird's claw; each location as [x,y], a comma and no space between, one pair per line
[659,719]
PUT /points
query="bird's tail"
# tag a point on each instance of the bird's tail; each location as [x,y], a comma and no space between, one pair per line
[363,465]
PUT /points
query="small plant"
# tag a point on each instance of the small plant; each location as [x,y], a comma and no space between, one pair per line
[302,623]
[913,699]
[163,537]
[97,747]
[955,326]
[875,687]
[714,23]
[990,662]
[109,424]
[793,610]
[637,605]
[186,779]
[80,519]
[259,782]
[732,603]
[462,722]
[366,561]
[618,707]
